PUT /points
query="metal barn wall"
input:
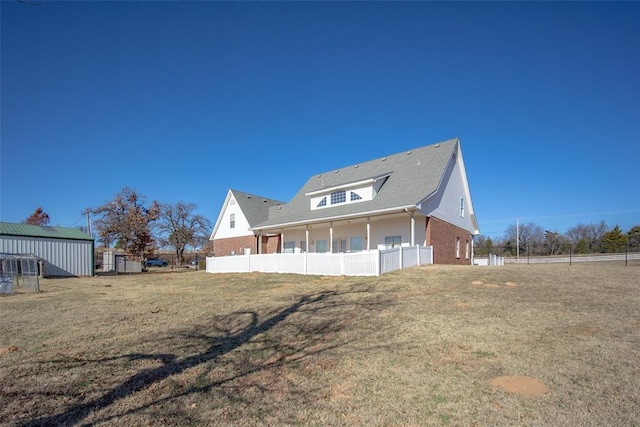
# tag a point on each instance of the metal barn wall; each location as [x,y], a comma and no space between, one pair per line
[62,257]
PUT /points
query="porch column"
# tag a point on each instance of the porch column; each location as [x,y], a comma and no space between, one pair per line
[306,232]
[259,243]
[368,234]
[282,241]
[331,237]
[413,229]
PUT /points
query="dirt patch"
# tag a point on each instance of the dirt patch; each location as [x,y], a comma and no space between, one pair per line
[527,386]
[7,350]
[461,304]
[477,283]
[510,285]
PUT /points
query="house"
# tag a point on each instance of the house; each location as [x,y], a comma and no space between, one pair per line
[232,233]
[64,251]
[416,197]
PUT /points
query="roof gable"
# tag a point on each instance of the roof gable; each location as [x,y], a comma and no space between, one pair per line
[28,230]
[253,208]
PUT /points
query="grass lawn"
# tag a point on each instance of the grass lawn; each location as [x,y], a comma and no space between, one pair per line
[434,345]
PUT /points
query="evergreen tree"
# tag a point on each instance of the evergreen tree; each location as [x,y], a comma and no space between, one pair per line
[582,247]
[614,241]
[634,237]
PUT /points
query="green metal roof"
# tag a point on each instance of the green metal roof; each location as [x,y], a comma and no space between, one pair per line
[28,230]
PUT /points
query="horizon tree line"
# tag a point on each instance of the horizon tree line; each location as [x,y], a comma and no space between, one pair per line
[531,239]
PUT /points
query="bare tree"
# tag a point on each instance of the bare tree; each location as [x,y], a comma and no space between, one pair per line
[554,243]
[38,217]
[126,220]
[180,227]
[591,234]
[529,234]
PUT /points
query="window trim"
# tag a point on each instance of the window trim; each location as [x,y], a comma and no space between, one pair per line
[232,220]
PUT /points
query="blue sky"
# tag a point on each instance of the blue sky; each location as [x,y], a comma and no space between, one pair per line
[184,100]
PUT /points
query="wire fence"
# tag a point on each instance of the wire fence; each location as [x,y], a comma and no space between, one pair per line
[563,253]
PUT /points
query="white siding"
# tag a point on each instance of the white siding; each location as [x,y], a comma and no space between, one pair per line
[241,224]
[446,204]
[62,257]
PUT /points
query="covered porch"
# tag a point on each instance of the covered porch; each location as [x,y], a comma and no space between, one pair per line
[349,235]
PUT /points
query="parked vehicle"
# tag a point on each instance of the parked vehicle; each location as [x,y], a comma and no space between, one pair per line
[155,262]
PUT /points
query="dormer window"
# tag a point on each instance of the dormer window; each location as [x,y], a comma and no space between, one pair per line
[338,197]
[352,192]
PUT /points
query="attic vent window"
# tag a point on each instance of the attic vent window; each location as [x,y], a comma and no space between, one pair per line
[355,196]
[322,203]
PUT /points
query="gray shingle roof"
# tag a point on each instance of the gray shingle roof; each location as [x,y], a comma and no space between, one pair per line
[255,208]
[28,230]
[414,175]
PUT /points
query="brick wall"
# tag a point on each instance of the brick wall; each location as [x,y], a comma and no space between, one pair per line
[271,244]
[442,236]
[224,247]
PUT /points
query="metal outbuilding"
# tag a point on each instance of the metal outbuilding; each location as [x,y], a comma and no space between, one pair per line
[64,251]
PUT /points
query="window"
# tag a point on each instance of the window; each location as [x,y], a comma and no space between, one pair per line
[322,203]
[355,196]
[457,247]
[461,207]
[339,245]
[392,241]
[289,247]
[321,246]
[355,244]
[338,197]
[303,246]
[466,250]
[232,221]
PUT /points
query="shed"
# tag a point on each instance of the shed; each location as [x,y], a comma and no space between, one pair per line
[64,251]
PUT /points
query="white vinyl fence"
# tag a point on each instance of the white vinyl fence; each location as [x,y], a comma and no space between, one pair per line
[365,263]
[569,259]
[489,260]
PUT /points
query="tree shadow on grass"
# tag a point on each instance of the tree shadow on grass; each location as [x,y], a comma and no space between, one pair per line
[228,333]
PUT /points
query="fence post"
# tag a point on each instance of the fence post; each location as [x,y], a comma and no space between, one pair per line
[570,254]
[401,261]
[418,254]
[378,261]
[626,254]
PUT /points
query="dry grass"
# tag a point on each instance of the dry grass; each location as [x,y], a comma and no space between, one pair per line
[415,347]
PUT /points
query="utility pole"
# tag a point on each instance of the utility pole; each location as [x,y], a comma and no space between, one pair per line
[517,238]
[89,223]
